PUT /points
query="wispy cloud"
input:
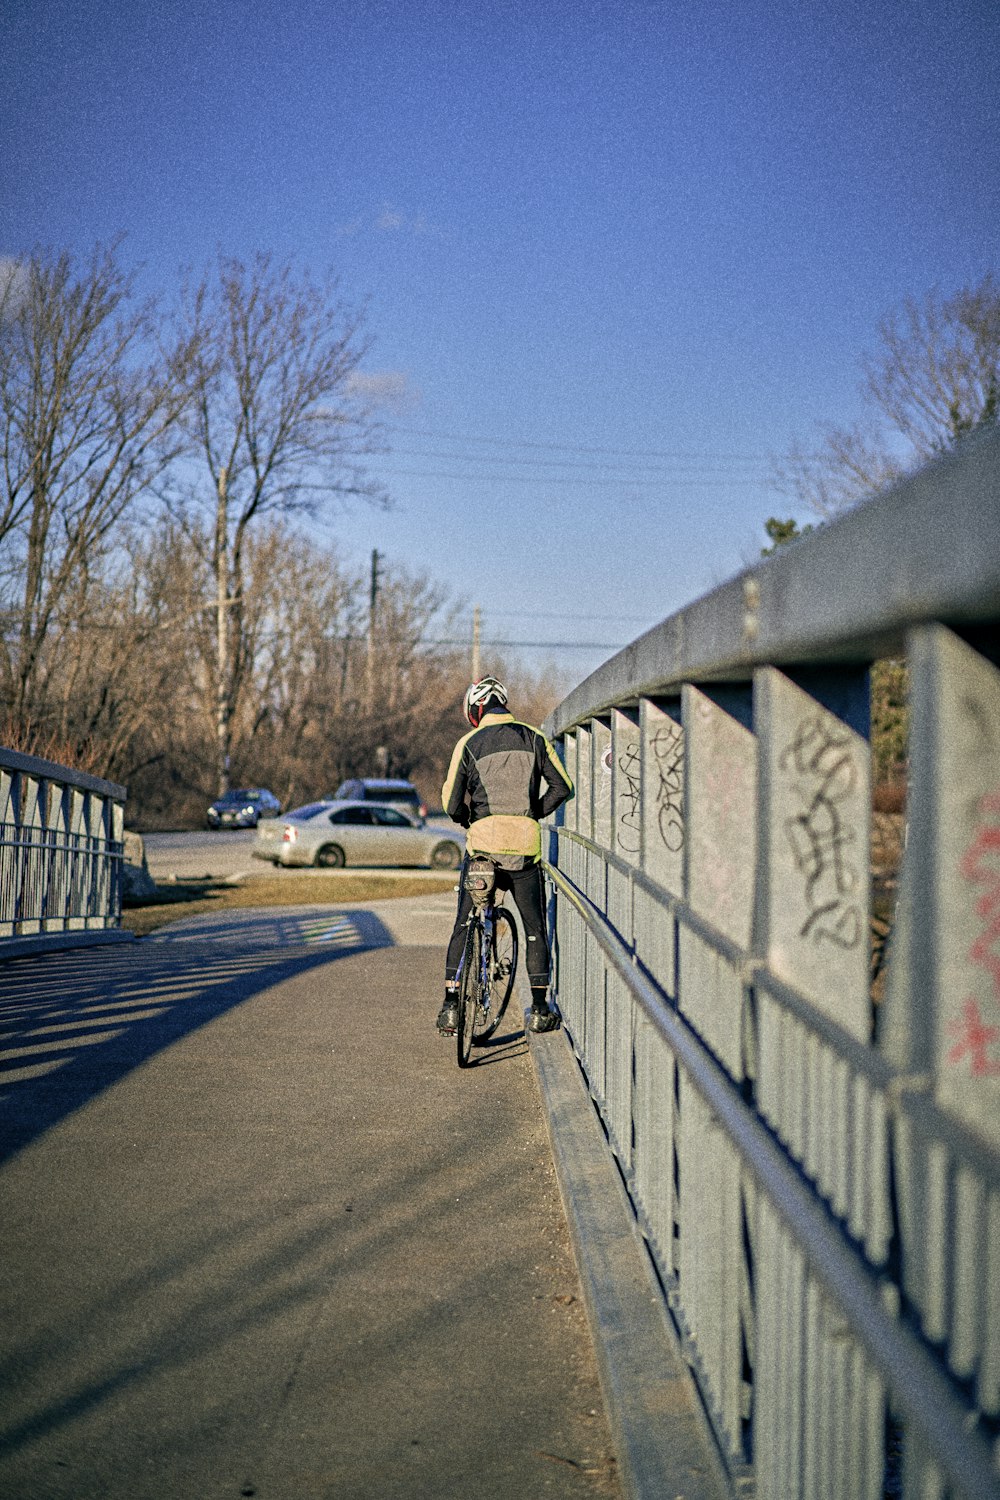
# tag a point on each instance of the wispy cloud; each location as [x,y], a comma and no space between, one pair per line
[386,390]
[390,220]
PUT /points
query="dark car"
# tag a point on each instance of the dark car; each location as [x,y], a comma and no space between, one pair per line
[372,789]
[242,807]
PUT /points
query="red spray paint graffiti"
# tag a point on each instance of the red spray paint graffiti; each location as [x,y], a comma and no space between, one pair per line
[981,865]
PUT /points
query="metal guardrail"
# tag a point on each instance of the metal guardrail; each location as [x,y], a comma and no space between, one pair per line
[816,1173]
[61,850]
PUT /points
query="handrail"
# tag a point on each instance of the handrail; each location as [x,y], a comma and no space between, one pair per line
[814,1163]
[50,770]
[849,592]
[915,1378]
[61,853]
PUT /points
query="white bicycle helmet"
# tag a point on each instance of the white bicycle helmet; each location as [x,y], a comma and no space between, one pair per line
[479,694]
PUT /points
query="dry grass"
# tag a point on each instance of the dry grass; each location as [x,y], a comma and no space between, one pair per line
[887,843]
[190,898]
[888,829]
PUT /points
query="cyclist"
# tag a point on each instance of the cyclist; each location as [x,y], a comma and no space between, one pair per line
[494,788]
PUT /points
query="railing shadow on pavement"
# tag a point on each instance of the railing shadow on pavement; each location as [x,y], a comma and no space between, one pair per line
[349,929]
[292,1282]
[75,1022]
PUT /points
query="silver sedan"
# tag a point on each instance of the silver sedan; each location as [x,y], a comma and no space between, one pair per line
[333,834]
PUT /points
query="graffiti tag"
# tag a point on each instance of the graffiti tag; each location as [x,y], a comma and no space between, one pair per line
[668,759]
[821,757]
[980,864]
[629,768]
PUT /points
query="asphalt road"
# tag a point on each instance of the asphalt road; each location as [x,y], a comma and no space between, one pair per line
[219,855]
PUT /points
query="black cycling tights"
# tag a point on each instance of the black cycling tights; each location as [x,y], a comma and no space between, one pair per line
[528,890]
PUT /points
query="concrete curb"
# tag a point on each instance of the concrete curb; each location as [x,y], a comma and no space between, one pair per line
[658,1425]
[22,947]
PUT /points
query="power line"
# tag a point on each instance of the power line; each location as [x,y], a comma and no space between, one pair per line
[535,645]
[622,479]
[641,453]
[544,463]
[551,614]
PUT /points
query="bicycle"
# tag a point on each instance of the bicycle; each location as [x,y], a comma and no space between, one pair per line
[489,961]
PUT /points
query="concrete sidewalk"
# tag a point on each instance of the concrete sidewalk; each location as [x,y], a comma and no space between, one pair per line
[260,1236]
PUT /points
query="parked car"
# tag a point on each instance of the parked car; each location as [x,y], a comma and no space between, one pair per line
[242,807]
[370,789]
[336,833]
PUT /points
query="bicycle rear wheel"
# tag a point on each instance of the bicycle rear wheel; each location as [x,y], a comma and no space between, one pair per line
[469,991]
[502,966]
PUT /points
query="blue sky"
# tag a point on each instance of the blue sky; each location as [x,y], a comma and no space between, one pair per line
[616,254]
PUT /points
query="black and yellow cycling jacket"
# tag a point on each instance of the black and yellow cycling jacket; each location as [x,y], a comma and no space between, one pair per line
[494,786]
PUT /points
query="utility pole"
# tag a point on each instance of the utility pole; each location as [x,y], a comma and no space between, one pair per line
[222,632]
[372,604]
[475,644]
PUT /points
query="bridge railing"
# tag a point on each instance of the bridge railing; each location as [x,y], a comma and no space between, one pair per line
[61,842]
[814,1161]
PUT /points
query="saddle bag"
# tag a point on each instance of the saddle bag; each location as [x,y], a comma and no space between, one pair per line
[480,880]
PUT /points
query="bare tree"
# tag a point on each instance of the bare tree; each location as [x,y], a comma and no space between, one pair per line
[114,657]
[934,377]
[325,720]
[89,401]
[281,424]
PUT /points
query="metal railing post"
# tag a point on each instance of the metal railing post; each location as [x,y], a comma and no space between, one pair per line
[816,1171]
[61,850]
